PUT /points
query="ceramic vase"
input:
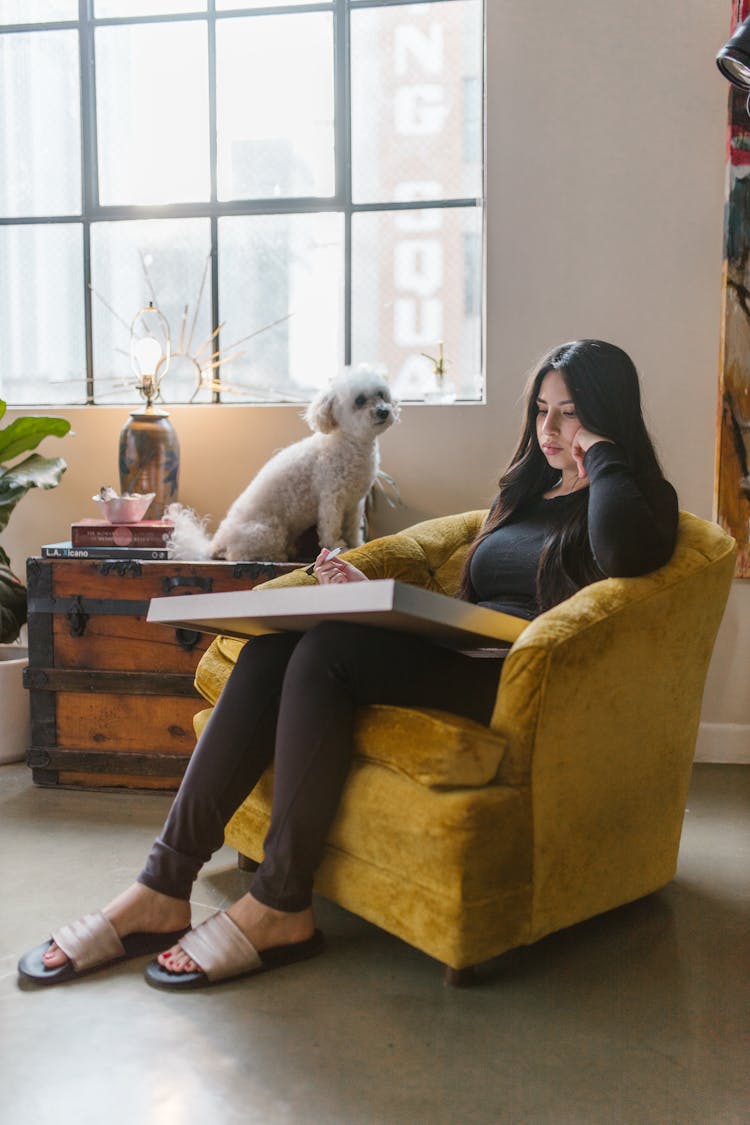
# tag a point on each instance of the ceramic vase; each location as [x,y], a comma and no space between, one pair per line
[150,458]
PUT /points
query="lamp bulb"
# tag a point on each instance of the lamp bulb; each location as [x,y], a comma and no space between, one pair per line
[147,352]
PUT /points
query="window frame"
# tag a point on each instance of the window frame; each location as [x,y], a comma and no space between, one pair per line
[341,202]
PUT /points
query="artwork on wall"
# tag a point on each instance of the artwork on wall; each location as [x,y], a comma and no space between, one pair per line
[732,488]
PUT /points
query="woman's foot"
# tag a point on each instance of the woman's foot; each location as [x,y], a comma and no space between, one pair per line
[261,925]
[136,910]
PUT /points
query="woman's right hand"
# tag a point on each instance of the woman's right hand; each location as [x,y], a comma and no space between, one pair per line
[336,570]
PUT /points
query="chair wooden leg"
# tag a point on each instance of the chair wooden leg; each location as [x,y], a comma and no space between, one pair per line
[245,863]
[459,978]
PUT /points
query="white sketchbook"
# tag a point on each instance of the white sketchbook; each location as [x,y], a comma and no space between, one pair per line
[384,602]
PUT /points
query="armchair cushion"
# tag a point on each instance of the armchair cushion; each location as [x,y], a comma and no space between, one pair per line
[433,748]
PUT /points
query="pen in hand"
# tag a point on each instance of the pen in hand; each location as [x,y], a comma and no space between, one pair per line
[336,551]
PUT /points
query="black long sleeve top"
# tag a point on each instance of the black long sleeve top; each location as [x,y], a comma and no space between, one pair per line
[632,530]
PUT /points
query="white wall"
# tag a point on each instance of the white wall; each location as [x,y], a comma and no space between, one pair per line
[605,138]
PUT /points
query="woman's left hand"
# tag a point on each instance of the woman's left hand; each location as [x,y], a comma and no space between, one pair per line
[581,444]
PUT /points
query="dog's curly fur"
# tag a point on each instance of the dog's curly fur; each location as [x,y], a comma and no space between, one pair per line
[322,480]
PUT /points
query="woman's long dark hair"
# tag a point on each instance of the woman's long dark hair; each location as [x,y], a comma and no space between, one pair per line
[603,383]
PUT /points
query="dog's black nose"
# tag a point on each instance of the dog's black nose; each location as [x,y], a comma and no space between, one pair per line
[383,412]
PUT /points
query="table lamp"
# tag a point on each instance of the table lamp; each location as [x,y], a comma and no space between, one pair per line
[149,452]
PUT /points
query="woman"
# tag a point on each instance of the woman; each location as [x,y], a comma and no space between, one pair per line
[583,498]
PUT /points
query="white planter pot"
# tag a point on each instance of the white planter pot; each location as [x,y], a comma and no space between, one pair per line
[15,722]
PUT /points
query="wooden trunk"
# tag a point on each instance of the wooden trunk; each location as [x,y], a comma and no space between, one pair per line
[112,697]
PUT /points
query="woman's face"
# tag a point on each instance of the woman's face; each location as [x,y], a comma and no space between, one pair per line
[556,422]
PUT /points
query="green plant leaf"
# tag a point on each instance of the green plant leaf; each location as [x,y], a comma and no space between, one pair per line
[25,433]
[3,407]
[8,499]
[33,472]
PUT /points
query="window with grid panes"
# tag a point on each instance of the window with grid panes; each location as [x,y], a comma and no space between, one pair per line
[296,185]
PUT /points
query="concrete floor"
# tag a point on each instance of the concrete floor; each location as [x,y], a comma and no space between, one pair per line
[640,1016]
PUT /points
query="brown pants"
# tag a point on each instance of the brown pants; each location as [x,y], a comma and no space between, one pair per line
[291,698]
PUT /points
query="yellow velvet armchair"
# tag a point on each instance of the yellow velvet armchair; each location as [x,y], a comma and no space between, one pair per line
[467,841]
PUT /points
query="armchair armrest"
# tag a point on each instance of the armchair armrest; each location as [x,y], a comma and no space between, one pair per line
[599,703]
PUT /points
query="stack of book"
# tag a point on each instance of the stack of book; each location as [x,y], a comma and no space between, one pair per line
[99,539]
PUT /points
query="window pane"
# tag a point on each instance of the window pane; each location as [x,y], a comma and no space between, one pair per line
[152,111]
[42,348]
[270,266]
[416,101]
[416,283]
[37,11]
[165,261]
[275,106]
[104,8]
[230,5]
[40,132]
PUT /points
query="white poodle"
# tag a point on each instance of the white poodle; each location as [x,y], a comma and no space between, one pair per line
[322,480]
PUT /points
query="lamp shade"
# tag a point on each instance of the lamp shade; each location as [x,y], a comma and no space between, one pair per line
[733,60]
